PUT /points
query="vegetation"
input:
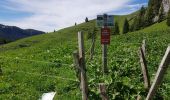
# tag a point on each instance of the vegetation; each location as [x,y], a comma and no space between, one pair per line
[32,66]
[116,28]
[139,21]
[86,20]
[126,26]
[168,19]
[46,65]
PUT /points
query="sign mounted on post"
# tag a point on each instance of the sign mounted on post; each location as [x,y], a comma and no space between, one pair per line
[105,36]
[102,22]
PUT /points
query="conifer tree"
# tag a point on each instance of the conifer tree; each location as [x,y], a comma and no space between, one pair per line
[168,19]
[116,28]
[141,18]
[126,26]
[86,20]
[149,16]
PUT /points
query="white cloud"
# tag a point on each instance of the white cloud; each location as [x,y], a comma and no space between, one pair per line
[48,15]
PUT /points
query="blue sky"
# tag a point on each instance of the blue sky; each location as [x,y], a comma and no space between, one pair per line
[47,15]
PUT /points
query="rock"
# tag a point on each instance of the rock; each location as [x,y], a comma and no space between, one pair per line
[155,19]
[166,5]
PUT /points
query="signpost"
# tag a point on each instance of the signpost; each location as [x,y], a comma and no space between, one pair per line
[105,21]
[101,22]
[105,36]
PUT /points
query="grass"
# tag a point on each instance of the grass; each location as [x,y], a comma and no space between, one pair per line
[44,63]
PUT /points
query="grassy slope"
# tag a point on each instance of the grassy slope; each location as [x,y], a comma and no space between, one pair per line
[27,73]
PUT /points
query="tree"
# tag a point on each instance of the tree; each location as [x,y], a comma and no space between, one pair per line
[86,20]
[116,28]
[75,24]
[126,26]
[54,30]
[5,41]
[168,19]
[152,11]
[149,16]
[161,15]
[141,17]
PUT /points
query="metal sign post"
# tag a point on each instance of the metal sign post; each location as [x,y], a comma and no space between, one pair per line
[105,21]
[104,49]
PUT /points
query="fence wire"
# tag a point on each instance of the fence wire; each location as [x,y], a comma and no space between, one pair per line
[37,74]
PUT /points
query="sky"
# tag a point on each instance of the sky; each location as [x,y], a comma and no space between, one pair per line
[47,15]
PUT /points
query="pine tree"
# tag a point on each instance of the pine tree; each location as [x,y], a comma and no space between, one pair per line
[116,28]
[141,18]
[168,19]
[161,15]
[126,26]
[86,20]
[149,16]
[152,11]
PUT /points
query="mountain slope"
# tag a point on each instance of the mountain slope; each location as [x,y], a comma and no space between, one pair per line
[13,33]
[43,63]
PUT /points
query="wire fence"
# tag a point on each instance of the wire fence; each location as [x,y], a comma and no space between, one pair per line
[45,62]
[38,74]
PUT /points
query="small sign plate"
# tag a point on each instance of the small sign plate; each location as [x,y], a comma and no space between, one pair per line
[105,36]
[102,21]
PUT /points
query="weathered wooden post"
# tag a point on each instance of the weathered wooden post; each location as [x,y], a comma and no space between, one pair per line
[144,47]
[76,64]
[82,66]
[102,89]
[144,69]
[160,74]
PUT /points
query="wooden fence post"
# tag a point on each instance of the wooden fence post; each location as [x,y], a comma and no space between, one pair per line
[102,89]
[144,47]
[76,65]
[144,69]
[160,74]
[82,66]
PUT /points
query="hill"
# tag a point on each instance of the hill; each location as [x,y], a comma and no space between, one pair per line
[43,63]
[12,33]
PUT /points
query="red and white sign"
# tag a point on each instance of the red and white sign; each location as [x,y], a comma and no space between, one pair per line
[105,36]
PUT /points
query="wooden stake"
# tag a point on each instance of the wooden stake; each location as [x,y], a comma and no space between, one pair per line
[144,69]
[139,97]
[102,89]
[144,47]
[76,64]
[160,74]
[82,66]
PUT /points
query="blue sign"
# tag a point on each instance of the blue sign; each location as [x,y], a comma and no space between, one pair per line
[105,20]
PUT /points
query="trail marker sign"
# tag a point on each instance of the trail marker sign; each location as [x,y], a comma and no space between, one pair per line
[105,36]
[105,20]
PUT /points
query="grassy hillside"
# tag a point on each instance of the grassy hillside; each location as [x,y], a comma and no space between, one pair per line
[44,63]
